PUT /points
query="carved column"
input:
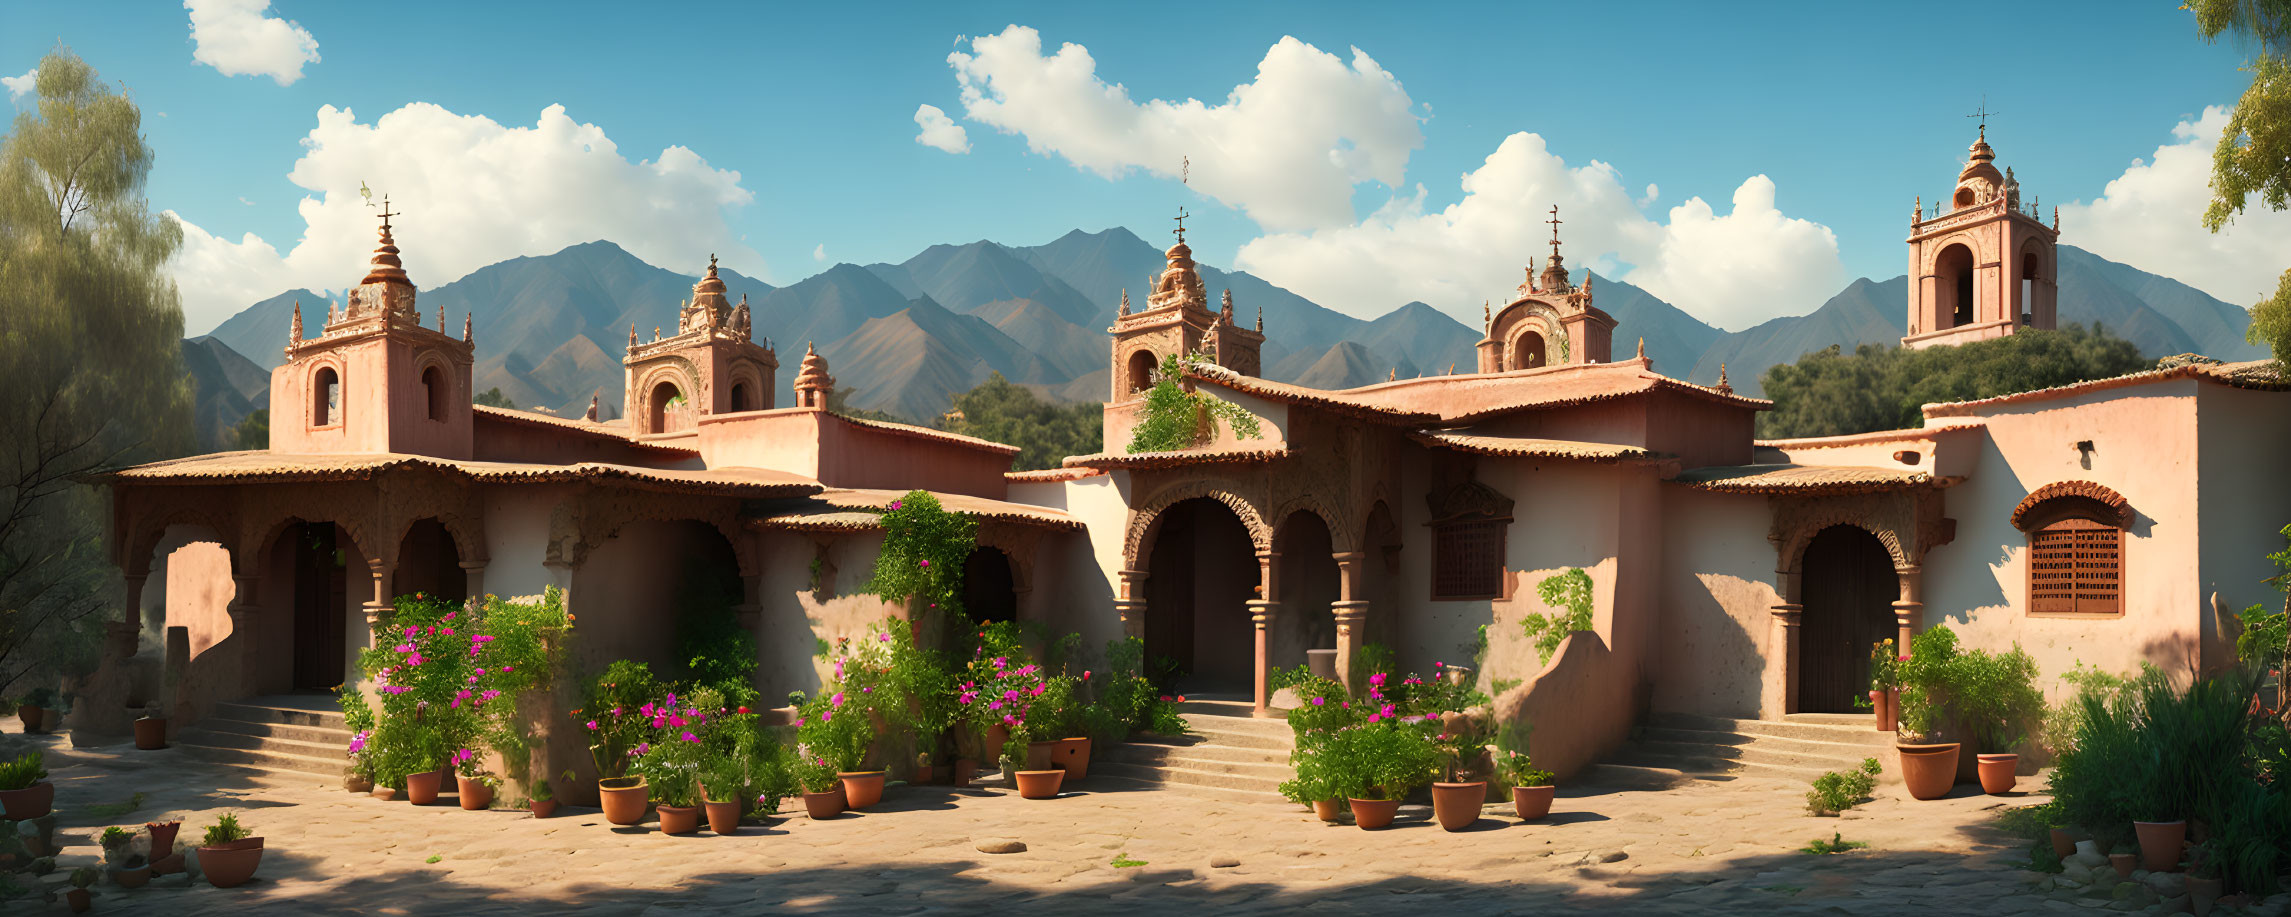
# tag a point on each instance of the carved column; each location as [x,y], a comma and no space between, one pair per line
[1787,616]
[473,579]
[1261,612]
[378,607]
[1130,604]
[1909,612]
[244,631]
[1351,613]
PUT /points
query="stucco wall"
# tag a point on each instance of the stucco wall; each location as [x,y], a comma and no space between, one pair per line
[2246,503]
[517,539]
[501,440]
[1717,598]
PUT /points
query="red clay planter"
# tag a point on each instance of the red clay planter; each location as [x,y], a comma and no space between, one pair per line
[1372,814]
[1929,770]
[678,819]
[1457,805]
[30,802]
[2160,843]
[824,805]
[723,817]
[475,795]
[1326,810]
[623,799]
[230,865]
[1042,784]
[1532,802]
[1997,776]
[422,788]
[151,733]
[861,788]
[1073,757]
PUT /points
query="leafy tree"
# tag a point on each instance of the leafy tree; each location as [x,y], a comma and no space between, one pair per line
[1045,433]
[2254,151]
[253,432]
[1831,393]
[839,404]
[1175,419]
[90,355]
[493,398]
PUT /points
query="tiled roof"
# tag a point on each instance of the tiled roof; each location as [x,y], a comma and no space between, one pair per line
[853,510]
[1529,447]
[1469,397]
[2261,375]
[1806,479]
[1298,394]
[617,432]
[264,467]
[1050,475]
[902,429]
[1112,460]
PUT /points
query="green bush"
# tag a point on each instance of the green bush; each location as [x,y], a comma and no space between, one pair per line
[225,830]
[1836,792]
[1571,591]
[615,727]
[449,674]
[924,547]
[28,769]
[1992,696]
[1174,418]
[1381,760]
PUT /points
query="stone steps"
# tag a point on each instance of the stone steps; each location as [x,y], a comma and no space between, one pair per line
[1798,747]
[282,735]
[1229,754]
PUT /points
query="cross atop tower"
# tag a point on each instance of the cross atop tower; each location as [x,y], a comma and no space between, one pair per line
[1554,221]
[1181,215]
[1982,113]
[387,213]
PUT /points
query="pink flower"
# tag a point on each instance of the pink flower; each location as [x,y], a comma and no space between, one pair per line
[690,737]
[837,700]
[1319,701]
[926,565]
[828,715]
[592,725]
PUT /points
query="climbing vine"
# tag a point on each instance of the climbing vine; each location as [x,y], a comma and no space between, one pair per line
[1570,590]
[924,547]
[1175,419]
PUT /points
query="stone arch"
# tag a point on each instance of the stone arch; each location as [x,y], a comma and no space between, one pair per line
[468,540]
[326,394]
[440,391]
[148,533]
[360,538]
[748,391]
[1341,536]
[648,399]
[1794,550]
[2108,503]
[1139,369]
[577,526]
[1144,517]
[1518,321]
[1953,268]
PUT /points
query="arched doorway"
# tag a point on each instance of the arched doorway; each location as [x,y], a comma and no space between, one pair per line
[1308,578]
[662,407]
[1201,574]
[318,558]
[429,563]
[1848,589]
[990,590]
[1953,278]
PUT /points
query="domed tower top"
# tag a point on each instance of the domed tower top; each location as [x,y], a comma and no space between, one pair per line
[1981,264]
[385,289]
[709,310]
[812,383]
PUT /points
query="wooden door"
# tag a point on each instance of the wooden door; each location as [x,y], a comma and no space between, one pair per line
[321,603]
[1848,591]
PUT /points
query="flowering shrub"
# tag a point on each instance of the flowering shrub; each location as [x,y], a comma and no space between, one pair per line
[924,547]
[442,671]
[1127,697]
[1515,768]
[1000,688]
[1884,665]
[683,733]
[618,731]
[1386,759]
[881,683]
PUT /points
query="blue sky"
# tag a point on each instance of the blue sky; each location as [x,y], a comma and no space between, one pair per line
[1849,109]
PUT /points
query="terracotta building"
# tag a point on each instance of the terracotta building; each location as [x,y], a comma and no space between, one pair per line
[2101,523]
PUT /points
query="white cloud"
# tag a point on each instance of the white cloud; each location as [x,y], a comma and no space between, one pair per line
[1733,271]
[474,192]
[235,38]
[1287,148]
[18,86]
[1653,194]
[819,252]
[940,131]
[2151,217]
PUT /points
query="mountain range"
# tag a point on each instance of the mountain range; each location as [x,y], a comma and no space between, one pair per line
[906,337]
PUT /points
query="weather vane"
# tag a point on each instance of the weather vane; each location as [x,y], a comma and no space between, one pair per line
[1185,170]
[1983,113]
[1181,215]
[1554,221]
[387,213]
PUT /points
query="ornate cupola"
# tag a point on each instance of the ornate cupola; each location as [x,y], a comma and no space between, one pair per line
[1546,321]
[1177,319]
[1981,265]
[375,379]
[711,365]
[813,385]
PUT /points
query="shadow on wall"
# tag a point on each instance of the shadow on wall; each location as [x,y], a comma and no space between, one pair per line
[1580,707]
[1713,664]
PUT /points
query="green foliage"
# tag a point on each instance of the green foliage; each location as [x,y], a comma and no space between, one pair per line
[1277,678]
[1122,860]
[1993,696]
[718,652]
[924,547]
[1570,590]
[1836,792]
[2271,321]
[1175,419]
[1835,845]
[615,696]
[115,835]
[1129,697]
[688,734]
[225,830]
[90,357]
[1371,658]
[493,398]
[1381,760]
[1876,387]
[2251,156]
[1045,433]
[1884,665]
[1516,768]
[84,876]
[2062,720]
[253,431]
[449,674]
[27,769]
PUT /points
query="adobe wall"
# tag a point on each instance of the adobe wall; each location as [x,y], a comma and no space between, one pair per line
[1077,575]
[2246,504]
[785,440]
[2145,447]
[851,455]
[1714,648]
[502,440]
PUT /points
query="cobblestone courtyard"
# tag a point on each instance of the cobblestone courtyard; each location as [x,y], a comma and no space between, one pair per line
[1705,847]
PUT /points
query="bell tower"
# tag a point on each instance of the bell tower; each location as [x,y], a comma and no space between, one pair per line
[1981,264]
[711,365]
[375,379]
[1177,320]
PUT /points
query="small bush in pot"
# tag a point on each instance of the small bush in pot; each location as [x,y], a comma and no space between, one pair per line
[228,855]
[1386,760]
[24,790]
[1531,787]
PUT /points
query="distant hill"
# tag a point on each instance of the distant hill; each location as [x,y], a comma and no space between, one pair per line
[225,388]
[551,329]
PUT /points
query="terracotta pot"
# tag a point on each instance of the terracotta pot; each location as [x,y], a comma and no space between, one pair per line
[1374,813]
[79,900]
[1532,802]
[1889,711]
[1041,756]
[1929,770]
[2160,844]
[723,817]
[231,864]
[475,795]
[422,788]
[542,808]
[964,768]
[1457,805]
[168,865]
[623,799]
[132,876]
[151,733]
[861,788]
[385,793]
[162,838]
[33,717]
[2202,894]
[1041,784]
[924,775]
[1326,810]
[2124,863]
[30,802]
[2063,843]
[1877,708]
[358,783]
[1073,757]
[678,819]
[824,805]
[1997,777]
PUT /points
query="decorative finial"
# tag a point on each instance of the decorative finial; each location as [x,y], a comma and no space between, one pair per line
[2056,218]
[1393,375]
[1125,308]
[468,325]
[1643,348]
[1982,113]
[387,213]
[1181,215]
[1228,304]
[1723,385]
[711,264]
[1917,212]
[1451,369]
[591,416]
[632,335]
[1554,221]
[297,332]
[441,318]
[656,332]
[1260,318]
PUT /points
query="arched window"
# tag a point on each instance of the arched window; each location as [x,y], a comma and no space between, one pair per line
[1468,525]
[743,397]
[325,397]
[434,391]
[1142,365]
[2075,548]
[2030,265]
[663,407]
[1529,354]
[1953,281]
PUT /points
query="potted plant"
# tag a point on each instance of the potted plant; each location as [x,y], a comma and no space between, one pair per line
[619,723]
[671,766]
[229,855]
[2123,860]
[1456,801]
[115,840]
[25,792]
[822,792]
[132,872]
[162,839]
[151,729]
[2204,882]
[1928,769]
[1531,787]
[1885,684]
[35,710]
[472,783]
[358,718]
[837,726]
[1386,759]
[79,896]
[544,801]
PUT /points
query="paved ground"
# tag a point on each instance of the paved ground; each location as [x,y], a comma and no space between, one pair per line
[1708,847]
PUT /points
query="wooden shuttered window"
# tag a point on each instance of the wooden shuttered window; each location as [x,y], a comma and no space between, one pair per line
[2076,566]
[1467,558]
